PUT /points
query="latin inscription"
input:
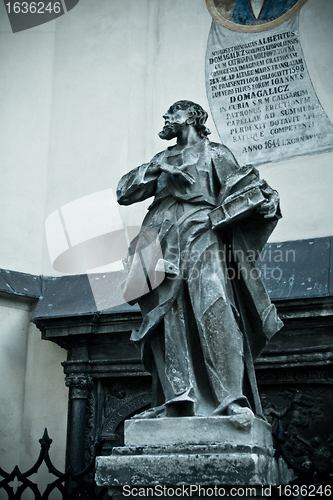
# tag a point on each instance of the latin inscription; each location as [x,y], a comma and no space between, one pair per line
[262,98]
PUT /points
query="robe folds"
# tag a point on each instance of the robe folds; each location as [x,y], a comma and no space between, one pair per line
[206,313]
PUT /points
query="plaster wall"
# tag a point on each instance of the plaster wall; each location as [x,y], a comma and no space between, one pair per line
[26,61]
[32,390]
[82,103]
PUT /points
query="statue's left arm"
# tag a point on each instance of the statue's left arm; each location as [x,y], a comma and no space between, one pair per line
[233,179]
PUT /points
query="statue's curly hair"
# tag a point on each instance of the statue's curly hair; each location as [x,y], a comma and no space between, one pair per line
[199,114]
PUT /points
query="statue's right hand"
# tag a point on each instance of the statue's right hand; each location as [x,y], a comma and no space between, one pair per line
[178,171]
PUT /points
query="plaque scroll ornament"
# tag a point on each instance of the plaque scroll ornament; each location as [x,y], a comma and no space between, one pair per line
[252,15]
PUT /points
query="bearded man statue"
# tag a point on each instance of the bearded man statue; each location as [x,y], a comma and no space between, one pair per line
[209,316]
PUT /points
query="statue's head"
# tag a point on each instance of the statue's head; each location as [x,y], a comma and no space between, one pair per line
[183,113]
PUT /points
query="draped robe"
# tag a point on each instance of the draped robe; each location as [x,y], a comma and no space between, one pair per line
[210,315]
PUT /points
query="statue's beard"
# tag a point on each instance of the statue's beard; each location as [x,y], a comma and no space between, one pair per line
[170,131]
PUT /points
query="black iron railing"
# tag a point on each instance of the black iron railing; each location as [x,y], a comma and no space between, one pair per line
[311,481]
[70,484]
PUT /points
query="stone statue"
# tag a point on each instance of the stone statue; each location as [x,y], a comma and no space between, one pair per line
[210,316]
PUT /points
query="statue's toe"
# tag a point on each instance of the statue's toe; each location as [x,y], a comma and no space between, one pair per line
[240,417]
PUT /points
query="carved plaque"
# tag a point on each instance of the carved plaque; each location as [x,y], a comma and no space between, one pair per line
[261,96]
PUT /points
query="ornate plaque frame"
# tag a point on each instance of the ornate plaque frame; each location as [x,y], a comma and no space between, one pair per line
[219,17]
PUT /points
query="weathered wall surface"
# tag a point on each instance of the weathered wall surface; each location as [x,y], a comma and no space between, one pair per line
[304,182]
[32,390]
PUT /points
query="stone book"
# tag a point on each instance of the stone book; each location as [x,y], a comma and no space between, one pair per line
[236,207]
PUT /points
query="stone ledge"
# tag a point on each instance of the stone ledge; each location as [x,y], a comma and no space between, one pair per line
[195,431]
[203,469]
[192,449]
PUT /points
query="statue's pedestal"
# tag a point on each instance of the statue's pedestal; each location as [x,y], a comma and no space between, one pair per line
[192,453]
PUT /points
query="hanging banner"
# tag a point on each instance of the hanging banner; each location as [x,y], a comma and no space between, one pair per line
[260,93]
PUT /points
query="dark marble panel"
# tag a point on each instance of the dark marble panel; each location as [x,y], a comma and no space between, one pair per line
[296,269]
[17,283]
[73,296]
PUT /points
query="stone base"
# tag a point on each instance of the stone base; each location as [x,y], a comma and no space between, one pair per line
[192,451]
[184,431]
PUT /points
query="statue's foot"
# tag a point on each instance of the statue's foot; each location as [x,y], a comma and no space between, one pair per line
[151,413]
[240,417]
